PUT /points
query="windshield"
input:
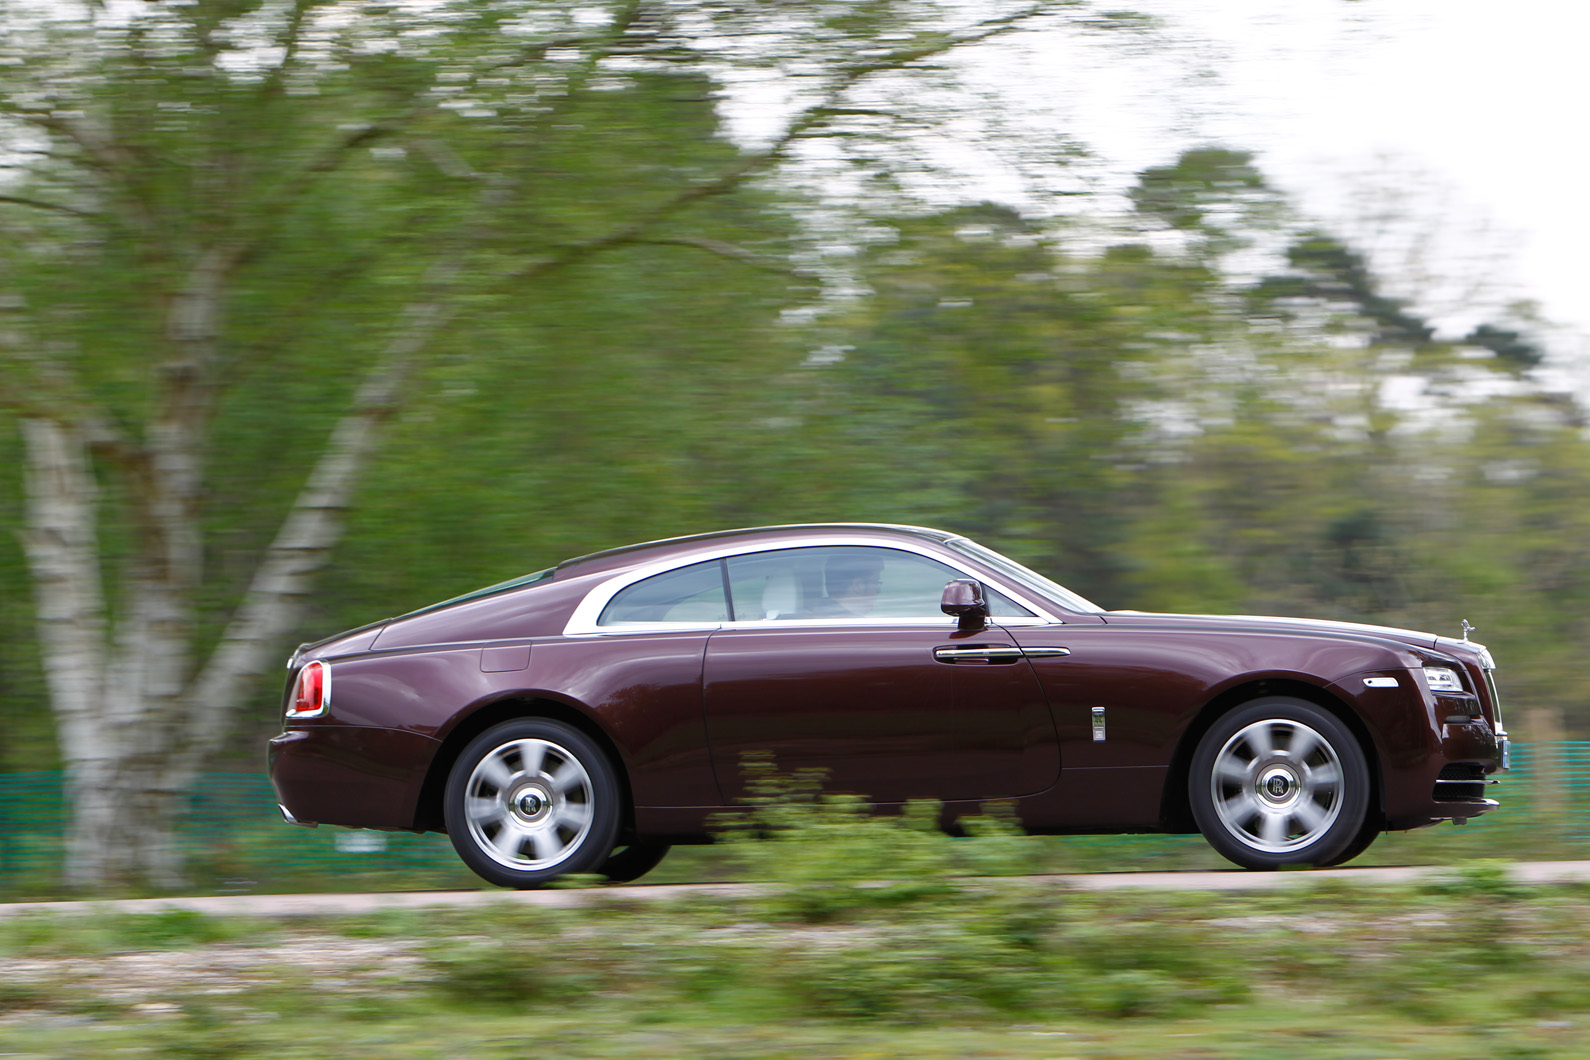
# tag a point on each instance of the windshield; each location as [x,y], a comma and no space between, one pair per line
[1029,579]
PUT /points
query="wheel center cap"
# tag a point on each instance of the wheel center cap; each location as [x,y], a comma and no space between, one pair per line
[531,803]
[1278,785]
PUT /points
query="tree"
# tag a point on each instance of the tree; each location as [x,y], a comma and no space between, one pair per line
[1337,469]
[189,172]
[1161,430]
[1010,378]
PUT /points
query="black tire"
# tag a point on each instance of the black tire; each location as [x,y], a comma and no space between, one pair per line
[1366,835]
[1280,781]
[530,800]
[632,862]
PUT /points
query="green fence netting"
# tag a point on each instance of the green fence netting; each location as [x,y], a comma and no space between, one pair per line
[234,839]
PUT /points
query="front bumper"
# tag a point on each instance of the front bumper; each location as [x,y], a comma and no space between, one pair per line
[1447,781]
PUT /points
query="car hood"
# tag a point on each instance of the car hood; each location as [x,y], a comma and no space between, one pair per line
[1274,624]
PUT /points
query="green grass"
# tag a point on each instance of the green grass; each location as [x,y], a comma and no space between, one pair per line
[1473,966]
[613,1036]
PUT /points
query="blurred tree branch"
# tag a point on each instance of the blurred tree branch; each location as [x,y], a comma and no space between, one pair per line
[189,162]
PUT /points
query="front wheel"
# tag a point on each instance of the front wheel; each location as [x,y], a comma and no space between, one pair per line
[1278,782]
[1366,835]
[530,800]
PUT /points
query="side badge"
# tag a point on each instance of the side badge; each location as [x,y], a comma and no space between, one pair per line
[1098,724]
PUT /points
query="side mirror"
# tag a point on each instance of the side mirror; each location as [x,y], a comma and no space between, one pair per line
[963,598]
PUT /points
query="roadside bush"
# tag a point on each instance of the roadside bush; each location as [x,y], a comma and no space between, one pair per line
[204,1031]
[513,971]
[899,925]
[829,856]
[1135,967]
[923,972]
[97,932]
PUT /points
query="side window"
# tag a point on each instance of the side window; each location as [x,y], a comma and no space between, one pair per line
[1002,606]
[689,594]
[844,582]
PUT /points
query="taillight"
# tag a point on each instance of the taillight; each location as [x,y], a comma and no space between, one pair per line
[312,692]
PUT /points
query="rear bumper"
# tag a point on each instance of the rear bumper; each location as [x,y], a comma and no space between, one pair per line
[351,775]
[290,819]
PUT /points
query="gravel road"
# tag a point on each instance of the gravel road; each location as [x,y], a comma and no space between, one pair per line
[295,905]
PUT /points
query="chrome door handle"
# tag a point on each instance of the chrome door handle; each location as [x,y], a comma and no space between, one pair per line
[1045,653]
[978,653]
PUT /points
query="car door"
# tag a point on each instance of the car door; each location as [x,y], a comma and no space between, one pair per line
[839,659]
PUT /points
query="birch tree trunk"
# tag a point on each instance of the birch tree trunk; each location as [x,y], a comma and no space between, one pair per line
[111,695]
[136,721]
[62,545]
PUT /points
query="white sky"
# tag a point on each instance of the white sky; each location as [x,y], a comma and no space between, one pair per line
[1465,120]
[1474,112]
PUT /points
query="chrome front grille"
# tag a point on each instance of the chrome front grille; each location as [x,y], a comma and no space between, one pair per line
[1496,699]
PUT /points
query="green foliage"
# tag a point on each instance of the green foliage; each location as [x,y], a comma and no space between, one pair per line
[520,971]
[902,930]
[828,857]
[1003,967]
[1512,346]
[170,929]
[204,1030]
[1328,271]
[23,996]
[1215,197]
[943,965]
[1483,880]
[646,384]
[992,360]
[165,929]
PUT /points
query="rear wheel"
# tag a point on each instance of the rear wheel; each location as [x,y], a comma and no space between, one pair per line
[1281,781]
[632,862]
[530,800]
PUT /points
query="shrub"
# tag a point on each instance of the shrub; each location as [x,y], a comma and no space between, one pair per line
[828,856]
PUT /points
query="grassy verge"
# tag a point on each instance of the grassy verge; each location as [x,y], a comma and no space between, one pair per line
[870,940]
[1472,967]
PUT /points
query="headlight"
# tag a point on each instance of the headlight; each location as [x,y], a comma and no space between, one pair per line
[1442,679]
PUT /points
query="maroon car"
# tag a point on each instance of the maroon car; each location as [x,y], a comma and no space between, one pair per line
[584,718]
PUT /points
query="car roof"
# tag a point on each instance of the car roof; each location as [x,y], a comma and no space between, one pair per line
[627,554]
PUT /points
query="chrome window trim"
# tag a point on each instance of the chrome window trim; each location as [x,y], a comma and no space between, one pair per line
[582,623]
[1023,574]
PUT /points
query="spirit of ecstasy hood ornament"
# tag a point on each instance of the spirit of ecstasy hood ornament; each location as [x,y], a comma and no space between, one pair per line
[1467,629]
